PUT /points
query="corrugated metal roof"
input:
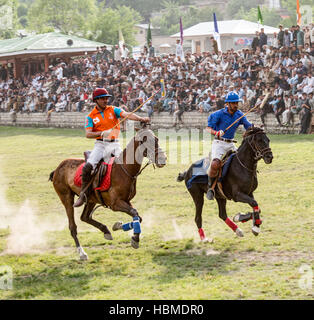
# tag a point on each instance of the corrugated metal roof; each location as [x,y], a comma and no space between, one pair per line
[225,27]
[46,42]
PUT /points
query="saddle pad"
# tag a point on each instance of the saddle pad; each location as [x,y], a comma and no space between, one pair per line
[106,181]
[78,175]
[199,172]
[226,167]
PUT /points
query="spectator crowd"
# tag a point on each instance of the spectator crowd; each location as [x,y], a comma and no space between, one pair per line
[199,82]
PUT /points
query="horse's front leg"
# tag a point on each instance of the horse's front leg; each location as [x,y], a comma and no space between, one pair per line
[224,217]
[86,217]
[121,205]
[242,197]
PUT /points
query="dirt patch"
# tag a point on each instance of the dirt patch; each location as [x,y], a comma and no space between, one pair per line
[273,257]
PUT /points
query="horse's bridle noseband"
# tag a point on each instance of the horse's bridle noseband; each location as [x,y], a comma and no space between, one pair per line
[259,153]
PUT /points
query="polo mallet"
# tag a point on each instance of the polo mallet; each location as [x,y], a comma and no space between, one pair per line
[139,107]
[259,105]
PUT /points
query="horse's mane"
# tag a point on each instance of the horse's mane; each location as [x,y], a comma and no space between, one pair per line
[251,131]
[137,137]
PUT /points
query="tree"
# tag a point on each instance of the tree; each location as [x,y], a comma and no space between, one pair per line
[291,6]
[169,22]
[270,17]
[144,7]
[108,22]
[234,6]
[70,16]
[8,19]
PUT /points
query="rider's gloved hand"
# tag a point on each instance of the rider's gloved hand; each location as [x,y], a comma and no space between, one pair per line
[104,134]
[219,133]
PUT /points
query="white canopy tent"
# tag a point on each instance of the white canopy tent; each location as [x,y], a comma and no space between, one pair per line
[235,34]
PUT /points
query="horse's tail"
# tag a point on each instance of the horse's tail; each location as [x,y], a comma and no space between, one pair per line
[51,175]
[181,176]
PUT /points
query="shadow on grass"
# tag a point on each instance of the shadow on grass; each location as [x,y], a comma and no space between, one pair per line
[68,280]
[194,262]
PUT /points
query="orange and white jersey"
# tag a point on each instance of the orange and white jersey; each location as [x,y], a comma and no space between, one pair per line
[104,120]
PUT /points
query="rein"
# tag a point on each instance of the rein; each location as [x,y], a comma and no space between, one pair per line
[134,177]
[147,164]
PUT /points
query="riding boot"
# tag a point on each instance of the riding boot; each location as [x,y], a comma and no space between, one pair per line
[212,174]
[210,193]
[86,176]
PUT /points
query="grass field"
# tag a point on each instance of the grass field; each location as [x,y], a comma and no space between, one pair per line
[171,263]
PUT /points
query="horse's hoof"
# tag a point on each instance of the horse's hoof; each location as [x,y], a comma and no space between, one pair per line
[256,230]
[83,257]
[206,240]
[108,236]
[135,244]
[236,218]
[239,232]
[82,253]
[117,226]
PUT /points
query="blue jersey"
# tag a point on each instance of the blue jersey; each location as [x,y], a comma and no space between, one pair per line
[222,119]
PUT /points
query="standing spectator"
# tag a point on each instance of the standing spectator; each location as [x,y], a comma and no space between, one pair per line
[117,53]
[179,50]
[275,41]
[262,39]
[280,36]
[179,110]
[125,51]
[151,50]
[307,36]
[255,41]
[106,54]
[305,116]
[215,45]
[300,37]
[286,38]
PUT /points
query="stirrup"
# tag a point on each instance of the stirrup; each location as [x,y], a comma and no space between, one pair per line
[210,195]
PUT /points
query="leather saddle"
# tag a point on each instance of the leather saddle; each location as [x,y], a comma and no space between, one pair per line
[100,172]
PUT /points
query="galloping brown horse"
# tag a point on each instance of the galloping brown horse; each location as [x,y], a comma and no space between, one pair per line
[125,170]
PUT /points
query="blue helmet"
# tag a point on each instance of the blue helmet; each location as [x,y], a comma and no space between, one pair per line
[232,97]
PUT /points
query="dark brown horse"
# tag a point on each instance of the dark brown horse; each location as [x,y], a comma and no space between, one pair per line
[125,170]
[238,184]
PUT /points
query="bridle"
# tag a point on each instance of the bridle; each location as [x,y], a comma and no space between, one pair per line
[148,150]
[258,152]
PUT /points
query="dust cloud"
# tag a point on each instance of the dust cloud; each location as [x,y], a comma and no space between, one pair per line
[27,232]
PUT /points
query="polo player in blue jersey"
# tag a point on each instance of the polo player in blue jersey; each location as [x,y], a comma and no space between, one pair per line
[223,141]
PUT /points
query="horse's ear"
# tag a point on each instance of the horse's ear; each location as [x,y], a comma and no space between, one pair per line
[143,125]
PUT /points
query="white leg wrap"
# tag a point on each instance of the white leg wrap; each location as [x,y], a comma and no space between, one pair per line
[82,253]
[239,232]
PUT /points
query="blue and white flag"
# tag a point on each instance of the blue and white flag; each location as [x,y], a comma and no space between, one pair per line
[216,32]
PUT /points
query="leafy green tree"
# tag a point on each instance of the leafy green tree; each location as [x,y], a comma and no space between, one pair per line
[8,19]
[144,7]
[108,21]
[169,22]
[70,16]
[22,10]
[270,17]
[234,6]
[291,6]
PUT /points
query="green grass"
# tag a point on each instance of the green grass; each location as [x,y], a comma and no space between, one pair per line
[171,263]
